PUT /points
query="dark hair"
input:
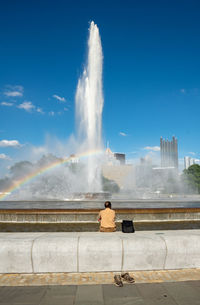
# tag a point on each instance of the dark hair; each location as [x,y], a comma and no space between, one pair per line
[107,204]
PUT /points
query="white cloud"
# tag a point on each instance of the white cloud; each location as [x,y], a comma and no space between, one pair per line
[41,150]
[59,98]
[40,110]
[4,157]
[7,104]
[122,134]
[52,113]
[192,153]
[28,106]
[14,91]
[183,90]
[153,148]
[9,143]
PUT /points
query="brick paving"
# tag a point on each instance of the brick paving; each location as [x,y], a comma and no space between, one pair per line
[96,278]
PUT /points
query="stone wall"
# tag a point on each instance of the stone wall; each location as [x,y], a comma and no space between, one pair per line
[98,252]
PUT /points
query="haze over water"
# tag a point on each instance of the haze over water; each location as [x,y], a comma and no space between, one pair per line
[89,106]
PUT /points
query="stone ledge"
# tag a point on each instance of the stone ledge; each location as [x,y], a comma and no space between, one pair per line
[99,252]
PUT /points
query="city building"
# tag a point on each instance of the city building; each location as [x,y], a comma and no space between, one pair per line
[120,157]
[188,161]
[74,158]
[115,168]
[169,152]
[115,158]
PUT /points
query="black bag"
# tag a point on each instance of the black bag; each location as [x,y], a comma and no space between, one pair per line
[127,226]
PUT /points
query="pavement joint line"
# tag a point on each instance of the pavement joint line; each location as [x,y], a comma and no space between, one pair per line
[122,258]
[33,242]
[166,251]
[77,254]
[97,278]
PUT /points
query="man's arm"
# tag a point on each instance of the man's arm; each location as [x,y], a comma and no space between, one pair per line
[114,216]
[99,216]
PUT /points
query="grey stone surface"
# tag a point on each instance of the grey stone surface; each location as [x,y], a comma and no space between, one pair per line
[55,253]
[183,293]
[59,295]
[15,254]
[146,251]
[176,293]
[183,251]
[98,252]
[112,291]
[155,294]
[90,295]
[21,295]
[125,301]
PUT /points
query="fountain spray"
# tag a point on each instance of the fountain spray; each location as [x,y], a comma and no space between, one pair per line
[89,106]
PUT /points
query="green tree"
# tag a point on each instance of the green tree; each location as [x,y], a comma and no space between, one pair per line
[191,176]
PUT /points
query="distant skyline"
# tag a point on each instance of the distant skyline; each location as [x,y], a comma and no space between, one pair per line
[151,76]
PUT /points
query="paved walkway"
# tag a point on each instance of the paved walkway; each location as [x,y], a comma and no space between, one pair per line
[168,293]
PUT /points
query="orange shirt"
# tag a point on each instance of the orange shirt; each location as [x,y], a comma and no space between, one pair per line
[107,218]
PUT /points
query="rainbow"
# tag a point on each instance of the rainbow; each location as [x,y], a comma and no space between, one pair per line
[28,178]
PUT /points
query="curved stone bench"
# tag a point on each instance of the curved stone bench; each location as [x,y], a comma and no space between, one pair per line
[98,252]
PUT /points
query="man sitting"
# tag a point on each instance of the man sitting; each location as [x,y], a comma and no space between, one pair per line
[107,218]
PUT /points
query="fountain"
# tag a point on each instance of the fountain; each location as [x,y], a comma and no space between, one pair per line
[58,181]
[89,106]
[44,210]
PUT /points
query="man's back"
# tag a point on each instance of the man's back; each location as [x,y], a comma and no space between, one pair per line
[107,218]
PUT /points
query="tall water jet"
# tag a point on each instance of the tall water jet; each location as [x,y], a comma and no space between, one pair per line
[89,106]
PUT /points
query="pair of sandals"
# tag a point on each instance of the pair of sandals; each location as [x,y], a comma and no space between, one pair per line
[123,277]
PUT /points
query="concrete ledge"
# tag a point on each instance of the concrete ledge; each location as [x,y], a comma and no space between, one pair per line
[99,252]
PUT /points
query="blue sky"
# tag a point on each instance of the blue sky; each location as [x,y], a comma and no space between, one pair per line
[151,74]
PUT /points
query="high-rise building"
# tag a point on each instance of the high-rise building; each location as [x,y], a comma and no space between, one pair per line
[169,152]
[115,158]
[188,161]
[120,157]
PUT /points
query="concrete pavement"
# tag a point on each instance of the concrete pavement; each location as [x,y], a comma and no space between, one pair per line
[173,293]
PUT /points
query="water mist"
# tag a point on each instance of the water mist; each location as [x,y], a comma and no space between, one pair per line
[89,106]
[65,180]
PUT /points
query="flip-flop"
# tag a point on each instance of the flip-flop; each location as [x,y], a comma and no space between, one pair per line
[118,281]
[126,277]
